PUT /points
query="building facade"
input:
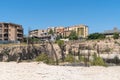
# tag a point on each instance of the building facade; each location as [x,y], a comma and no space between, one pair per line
[11,32]
[41,34]
[59,30]
[38,33]
[81,30]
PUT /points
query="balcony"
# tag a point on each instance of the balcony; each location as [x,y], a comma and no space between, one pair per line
[5,32]
[0,27]
[19,28]
[5,38]
[20,33]
[5,27]
[19,38]
[0,38]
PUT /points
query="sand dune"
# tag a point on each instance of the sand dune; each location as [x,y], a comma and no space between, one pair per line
[35,71]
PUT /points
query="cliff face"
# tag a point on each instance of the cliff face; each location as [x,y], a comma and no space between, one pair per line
[104,46]
[19,53]
[28,52]
[10,53]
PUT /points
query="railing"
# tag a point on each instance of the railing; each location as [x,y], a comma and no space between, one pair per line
[5,27]
[19,32]
[19,28]
[19,37]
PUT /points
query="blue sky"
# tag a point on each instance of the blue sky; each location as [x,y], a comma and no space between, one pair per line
[99,15]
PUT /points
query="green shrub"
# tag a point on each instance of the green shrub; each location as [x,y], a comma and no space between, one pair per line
[98,61]
[73,36]
[95,56]
[69,58]
[116,60]
[81,58]
[96,36]
[116,35]
[44,58]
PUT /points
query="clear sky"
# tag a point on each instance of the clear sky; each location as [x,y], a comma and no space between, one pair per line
[99,15]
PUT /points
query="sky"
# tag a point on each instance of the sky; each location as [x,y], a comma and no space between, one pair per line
[98,15]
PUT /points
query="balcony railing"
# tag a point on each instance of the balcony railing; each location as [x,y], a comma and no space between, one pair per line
[19,37]
[19,28]
[19,32]
[5,37]
[5,27]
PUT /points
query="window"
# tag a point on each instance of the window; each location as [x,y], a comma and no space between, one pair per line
[0,35]
[42,30]
[0,25]
[0,31]
[6,25]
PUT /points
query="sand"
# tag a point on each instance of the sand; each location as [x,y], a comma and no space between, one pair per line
[35,71]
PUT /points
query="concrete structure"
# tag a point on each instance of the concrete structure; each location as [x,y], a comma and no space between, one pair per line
[38,33]
[81,30]
[109,33]
[11,32]
[41,34]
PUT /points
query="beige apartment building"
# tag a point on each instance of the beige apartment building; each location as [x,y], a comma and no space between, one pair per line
[81,30]
[11,32]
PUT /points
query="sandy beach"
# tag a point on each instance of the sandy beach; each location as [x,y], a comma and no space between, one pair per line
[35,71]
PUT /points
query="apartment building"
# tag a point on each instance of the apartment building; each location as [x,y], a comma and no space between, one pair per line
[81,30]
[59,30]
[11,32]
[41,34]
[38,33]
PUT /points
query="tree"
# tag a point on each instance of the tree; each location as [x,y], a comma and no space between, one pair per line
[116,35]
[58,37]
[96,36]
[51,32]
[73,36]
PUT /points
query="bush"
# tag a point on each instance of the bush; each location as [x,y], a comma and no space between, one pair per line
[96,36]
[60,42]
[69,58]
[98,61]
[116,35]
[116,60]
[81,58]
[44,58]
[73,36]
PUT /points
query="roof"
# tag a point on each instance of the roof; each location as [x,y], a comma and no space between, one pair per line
[10,23]
[115,30]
